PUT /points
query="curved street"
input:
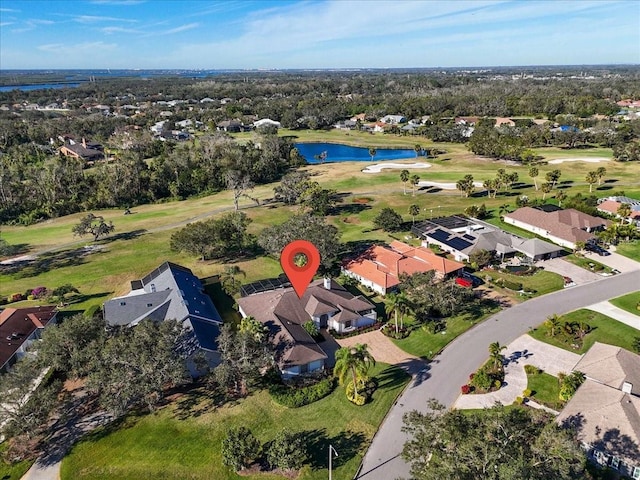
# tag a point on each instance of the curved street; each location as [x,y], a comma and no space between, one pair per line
[442,378]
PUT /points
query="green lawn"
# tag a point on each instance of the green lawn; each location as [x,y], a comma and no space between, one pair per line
[628,302]
[12,471]
[541,282]
[587,263]
[183,440]
[630,249]
[544,389]
[427,345]
[605,330]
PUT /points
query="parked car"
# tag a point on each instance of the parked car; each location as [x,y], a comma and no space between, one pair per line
[592,247]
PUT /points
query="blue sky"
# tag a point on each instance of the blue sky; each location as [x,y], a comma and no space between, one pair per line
[263,34]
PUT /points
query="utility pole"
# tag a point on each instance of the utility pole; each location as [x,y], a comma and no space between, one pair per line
[332,451]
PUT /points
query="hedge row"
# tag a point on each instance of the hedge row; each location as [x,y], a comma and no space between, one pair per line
[299,397]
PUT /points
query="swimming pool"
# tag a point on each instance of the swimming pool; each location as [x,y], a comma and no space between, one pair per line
[336,152]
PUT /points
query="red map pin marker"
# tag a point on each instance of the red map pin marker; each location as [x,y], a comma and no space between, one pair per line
[300,276]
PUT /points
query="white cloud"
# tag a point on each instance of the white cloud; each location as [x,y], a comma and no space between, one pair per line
[11,10]
[182,28]
[5,24]
[87,48]
[114,30]
[99,18]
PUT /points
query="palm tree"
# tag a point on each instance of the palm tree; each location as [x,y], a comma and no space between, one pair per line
[372,152]
[414,182]
[553,324]
[353,361]
[560,196]
[601,172]
[394,301]
[624,210]
[404,176]
[404,307]
[533,173]
[495,353]
[504,208]
[546,188]
[418,149]
[591,178]
[230,284]
[413,211]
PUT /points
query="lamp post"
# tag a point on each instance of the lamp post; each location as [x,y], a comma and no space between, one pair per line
[332,452]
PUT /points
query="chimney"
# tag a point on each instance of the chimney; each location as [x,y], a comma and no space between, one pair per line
[626,387]
[84,142]
[327,283]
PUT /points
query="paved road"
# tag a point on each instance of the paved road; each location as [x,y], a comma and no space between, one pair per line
[442,378]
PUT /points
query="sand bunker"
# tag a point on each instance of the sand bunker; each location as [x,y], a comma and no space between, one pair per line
[377,168]
[578,159]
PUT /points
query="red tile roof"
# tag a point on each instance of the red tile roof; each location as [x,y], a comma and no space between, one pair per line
[384,265]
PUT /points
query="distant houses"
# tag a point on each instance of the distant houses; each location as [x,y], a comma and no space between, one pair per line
[83,150]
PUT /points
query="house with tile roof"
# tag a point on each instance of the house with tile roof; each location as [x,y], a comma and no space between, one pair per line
[19,328]
[565,227]
[612,204]
[605,410]
[87,151]
[380,267]
[325,302]
[170,292]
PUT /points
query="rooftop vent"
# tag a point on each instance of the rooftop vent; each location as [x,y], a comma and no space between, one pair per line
[626,387]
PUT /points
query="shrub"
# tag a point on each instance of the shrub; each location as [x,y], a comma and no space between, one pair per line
[239,448]
[286,451]
[532,370]
[356,398]
[466,389]
[497,384]
[390,331]
[294,397]
[30,297]
[39,292]
[526,393]
[519,400]
[482,380]
[16,297]
[516,286]
[311,328]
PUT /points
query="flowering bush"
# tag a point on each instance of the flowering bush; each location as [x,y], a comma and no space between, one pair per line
[465,389]
[39,292]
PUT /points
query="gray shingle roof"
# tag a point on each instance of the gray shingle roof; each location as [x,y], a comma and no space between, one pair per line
[170,292]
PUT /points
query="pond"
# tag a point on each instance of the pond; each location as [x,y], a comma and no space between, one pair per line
[336,152]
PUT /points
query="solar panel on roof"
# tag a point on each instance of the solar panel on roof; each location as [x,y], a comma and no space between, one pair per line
[439,235]
[469,237]
[264,285]
[452,222]
[459,243]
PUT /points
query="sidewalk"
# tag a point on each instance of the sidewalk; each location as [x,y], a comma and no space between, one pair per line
[525,350]
[610,310]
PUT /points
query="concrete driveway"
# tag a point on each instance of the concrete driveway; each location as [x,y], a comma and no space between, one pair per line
[610,310]
[381,348]
[567,269]
[615,260]
[525,350]
[442,378]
